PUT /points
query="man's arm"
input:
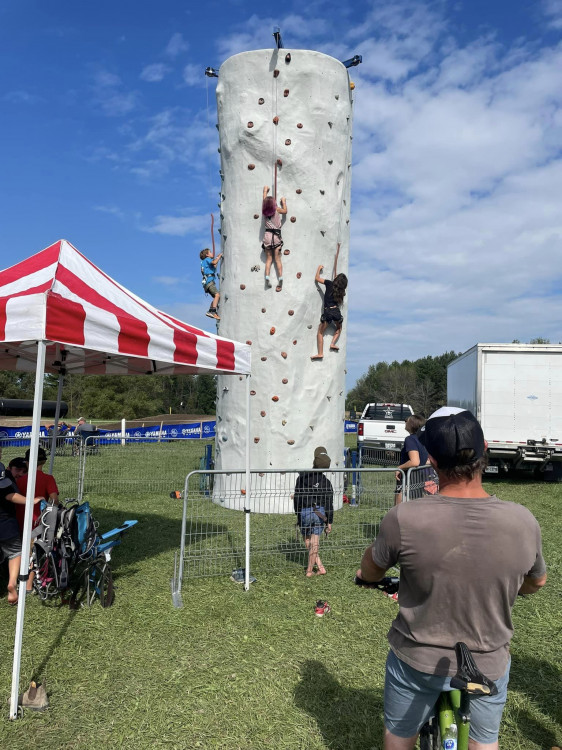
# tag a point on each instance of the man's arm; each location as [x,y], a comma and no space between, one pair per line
[369,571]
[531,585]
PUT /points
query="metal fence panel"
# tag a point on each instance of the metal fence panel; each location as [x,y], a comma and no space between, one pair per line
[421,481]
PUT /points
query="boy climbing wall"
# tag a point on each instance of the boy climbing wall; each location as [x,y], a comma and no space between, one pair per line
[209,274]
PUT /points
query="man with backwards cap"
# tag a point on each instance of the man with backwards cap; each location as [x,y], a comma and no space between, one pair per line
[464,557]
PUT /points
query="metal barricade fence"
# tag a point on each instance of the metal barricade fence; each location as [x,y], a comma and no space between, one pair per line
[387,457]
[66,469]
[213,540]
[420,482]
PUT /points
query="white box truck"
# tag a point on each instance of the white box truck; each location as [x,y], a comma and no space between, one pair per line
[515,392]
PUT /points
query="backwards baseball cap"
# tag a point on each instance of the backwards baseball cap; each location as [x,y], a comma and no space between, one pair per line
[450,430]
[321,458]
[4,480]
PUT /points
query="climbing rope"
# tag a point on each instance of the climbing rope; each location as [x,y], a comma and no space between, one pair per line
[344,195]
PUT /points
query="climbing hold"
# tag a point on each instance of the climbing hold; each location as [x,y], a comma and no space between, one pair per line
[291,442]
[263,359]
[249,342]
[242,286]
[293,219]
[262,474]
[299,124]
[286,252]
[240,377]
[275,73]
[260,100]
[322,192]
[286,92]
[311,427]
[256,216]
[298,191]
[275,398]
[288,57]
[250,124]
[291,312]
[256,440]
[309,327]
[284,381]
[262,413]
[299,274]
[347,221]
[279,163]
[330,124]
[295,341]
[272,330]
[251,166]
[275,120]
[351,85]
[288,142]
[323,232]
[284,355]
[216,125]
[284,422]
[218,149]
[330,161]
[329,398]
[337,96]
[263,309]
[226,295]
[252,393]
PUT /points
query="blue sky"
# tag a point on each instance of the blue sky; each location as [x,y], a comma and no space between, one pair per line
[108,140]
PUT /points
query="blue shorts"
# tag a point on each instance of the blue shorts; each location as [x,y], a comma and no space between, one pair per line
[410,697]
[310,523]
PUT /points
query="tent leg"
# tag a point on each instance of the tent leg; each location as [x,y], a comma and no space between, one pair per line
[248,504]
[26,541]
[56,427]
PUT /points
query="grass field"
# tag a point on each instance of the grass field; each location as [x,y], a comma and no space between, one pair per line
[245,670]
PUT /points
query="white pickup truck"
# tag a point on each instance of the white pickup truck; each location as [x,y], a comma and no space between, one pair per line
[381,433]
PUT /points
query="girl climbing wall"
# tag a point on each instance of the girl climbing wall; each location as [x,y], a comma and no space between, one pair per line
[333,299]
[272,242]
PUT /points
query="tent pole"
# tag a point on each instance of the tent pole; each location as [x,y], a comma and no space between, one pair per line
[26,541]
[247,505]
[56,427]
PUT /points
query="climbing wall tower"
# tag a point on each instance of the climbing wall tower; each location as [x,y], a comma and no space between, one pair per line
[284,120]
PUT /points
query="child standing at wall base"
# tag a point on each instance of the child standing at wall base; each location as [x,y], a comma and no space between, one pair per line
[333,299]
[208,272]
[272,242]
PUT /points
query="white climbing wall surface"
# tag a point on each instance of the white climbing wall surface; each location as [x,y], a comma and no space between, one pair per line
[284,116]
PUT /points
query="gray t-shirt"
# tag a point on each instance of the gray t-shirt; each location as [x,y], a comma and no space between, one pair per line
[462,562]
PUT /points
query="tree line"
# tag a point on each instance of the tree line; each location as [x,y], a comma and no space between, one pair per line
[119,396]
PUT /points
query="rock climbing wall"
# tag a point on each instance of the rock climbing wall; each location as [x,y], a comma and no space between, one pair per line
[284,117]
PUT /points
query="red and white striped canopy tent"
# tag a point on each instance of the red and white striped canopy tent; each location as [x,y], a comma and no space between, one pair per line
[96,325]
[59,313]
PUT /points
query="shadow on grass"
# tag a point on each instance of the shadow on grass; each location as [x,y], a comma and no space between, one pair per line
[348,719]
[540,681]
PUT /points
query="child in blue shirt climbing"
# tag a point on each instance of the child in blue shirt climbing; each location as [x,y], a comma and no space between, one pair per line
[208,272]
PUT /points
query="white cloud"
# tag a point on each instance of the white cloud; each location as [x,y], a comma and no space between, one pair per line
[194,75]
[168,280]
[553,11]
[176,45]
[21,97]
[112,210]
[155,72]
[178,226]
[110,96]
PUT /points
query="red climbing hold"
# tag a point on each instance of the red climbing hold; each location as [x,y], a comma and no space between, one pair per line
[275,120]
[251,166]
[275,398]
[252,393]
[286,252]
[288,142]
[272,330]
[275,73]
[263,359]
[291,312]
[250,124]
[291,442]
[260,100]
[298,191]
[249,342]
[293,219]
[284,381]
[242,286]
[299,274]
[299,124]
[288,57]
[256,216]
[284,355]
[256,440]
[263,309]
[295,341]
[286,92]
[262,413]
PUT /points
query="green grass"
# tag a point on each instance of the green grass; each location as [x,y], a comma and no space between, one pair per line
[245,670]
